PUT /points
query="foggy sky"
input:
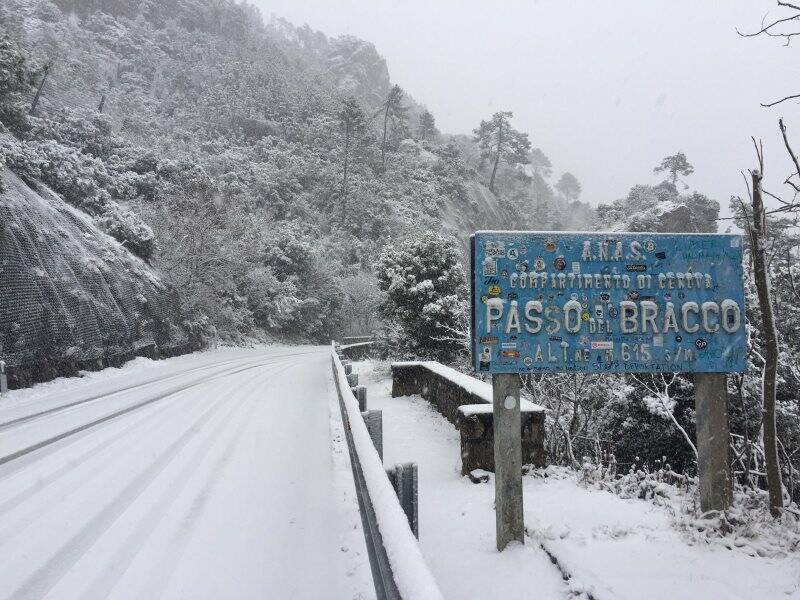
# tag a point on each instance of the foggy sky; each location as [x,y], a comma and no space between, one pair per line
[606,89]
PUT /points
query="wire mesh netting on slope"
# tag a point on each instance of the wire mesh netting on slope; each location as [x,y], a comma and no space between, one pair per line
[72,297]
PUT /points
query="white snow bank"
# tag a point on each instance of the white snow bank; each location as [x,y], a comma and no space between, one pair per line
[614,548]
[487,409]
[412,576]
[456,517]
[479,388]
[628,549]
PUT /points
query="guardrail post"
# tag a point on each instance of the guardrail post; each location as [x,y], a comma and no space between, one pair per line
[373,419]
[352,379]
[3,377]
[405,482]
[348,367]
[360,392]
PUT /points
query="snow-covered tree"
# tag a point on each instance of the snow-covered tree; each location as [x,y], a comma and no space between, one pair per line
[499,142]
[354,128]
[425,309]
[660,208]
[540,163]
[569,187]
[675,165]
[426,130]
[17,79]
[394,115]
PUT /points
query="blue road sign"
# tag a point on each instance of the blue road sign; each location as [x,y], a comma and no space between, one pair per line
[607,302]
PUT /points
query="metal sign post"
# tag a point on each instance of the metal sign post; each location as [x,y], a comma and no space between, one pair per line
[566,302]
[713,441]
[507,460]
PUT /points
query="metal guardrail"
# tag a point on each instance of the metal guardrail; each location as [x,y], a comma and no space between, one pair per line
[382,577]
[403,478]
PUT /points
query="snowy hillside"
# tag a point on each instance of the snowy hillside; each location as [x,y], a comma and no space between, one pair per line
[73,297]
[232,145]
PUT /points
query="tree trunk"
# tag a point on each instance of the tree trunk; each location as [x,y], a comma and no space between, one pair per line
[383,143]
[746,432]
[574,421]
[774,484]
[497,157]
[39,90]
[344,171]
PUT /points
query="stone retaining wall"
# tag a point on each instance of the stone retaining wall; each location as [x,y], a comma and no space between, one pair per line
[357,351]
[467,403]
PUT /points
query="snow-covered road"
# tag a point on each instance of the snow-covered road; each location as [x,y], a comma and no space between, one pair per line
[207,476]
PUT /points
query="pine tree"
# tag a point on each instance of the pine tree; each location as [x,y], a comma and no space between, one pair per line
[540,163]
[675,165]
[500,142]
[569,187]
[393,111]
[427,126]
[354,126]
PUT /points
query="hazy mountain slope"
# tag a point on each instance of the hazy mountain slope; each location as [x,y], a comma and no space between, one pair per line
[226,137]
[484,211]
[353,66]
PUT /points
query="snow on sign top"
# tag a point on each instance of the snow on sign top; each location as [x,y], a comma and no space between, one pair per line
[554,301]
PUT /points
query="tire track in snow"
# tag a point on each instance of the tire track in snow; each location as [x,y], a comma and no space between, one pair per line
[38,508]
[156,380]
[164,569]
[103,585]
[39,584]
[118,413]
[41,484]
[62,407]
[93,452]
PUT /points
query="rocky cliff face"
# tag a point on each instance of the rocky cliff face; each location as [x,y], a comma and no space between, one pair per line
[73,297]
[352,65]
[358,70]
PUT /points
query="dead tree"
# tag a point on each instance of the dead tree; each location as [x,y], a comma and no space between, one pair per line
[785,27]
[758,236]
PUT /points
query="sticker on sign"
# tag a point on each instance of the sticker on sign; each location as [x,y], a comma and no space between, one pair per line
[603,345]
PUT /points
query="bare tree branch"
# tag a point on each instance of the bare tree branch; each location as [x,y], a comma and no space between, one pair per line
[759,146]
[792,155]
[766,28]
[769,104]
[747,185]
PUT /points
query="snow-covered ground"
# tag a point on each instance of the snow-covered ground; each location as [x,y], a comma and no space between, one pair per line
[612,548]
[215,475]
[225,474]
